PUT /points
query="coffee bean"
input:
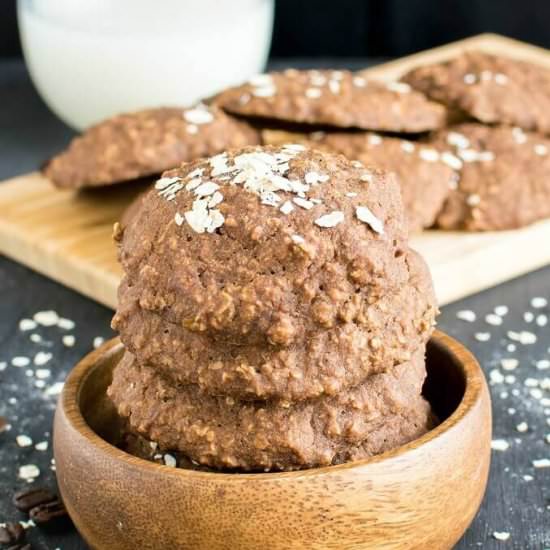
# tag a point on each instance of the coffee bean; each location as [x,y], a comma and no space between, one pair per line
[11,532]
[50,515]
[25,499]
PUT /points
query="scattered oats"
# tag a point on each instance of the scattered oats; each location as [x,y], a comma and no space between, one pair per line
[524,337]
[170,460]
[54,389]
[298,239]
[519,135]
[23,441]
[473,200]
[466,315]
[541,463]
[429,155]
[542,364]
[40,384]
[205,189]
[531,382]
[287,207]
[538,302]
[41,358]
[522,427]
[20,361]
[330,220]
[334,86]
[545,402]
[66,324]
[501,310]
[303,203]
[511,348]
[407,146]
[468,155]
[192,129]
[359,81]
[366,176]
[46,318]
[68,340]
[374,139]
[536,393]
[547,438]
[199,115]
[482,336]
[501,535]
[42,446]
[496,377]
[516,392]
[27,524]
[179,219]
[3,365]
[41,374]
[545,383]
[29,472]
[337,75]
[451,160]
[503,395]
[460,141]
[262,79]
[511,411]
[29,373]
[313,178]
[27,324]
[313,93]
[351,195]
[163,183]
[509,363]
[501,79]
[542,320]
[528,317]
[500,445]
[364,214]
[317,79]
[527,477]
[486,156]
[265,91]
[98,341]
[399,87]
[541,149]
[493,319]
[510,379]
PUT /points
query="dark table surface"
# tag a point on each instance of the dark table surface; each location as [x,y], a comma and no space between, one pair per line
[518,496]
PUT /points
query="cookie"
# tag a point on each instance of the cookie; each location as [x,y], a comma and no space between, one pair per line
[383,413]
[368,338]
[335,98]
[263,244]
[144,143]
[425,175]
[504,180]
[489,88]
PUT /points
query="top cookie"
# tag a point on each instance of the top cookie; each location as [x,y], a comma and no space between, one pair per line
[336,98]
[492,89]
[260,245]
[134,145]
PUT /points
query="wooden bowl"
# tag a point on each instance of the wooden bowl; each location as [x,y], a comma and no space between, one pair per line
[422,495]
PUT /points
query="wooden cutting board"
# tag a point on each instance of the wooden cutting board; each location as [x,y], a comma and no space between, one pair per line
[67,236]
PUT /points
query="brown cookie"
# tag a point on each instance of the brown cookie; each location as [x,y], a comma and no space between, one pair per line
[336,98]
[368,338]
[490,88]
[259,246]
[143,143]
[425,175]
[504,180]
[384,412]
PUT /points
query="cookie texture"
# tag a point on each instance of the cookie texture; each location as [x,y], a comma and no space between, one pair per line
[424,174]
[325,360]
[273,295]
[489,88]
[384,412]
[134,145]
[335,98]
[504,180]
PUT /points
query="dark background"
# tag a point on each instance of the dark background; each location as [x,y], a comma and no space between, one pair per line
[372,28]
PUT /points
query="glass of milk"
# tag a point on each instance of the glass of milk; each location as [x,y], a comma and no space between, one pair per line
[91,59]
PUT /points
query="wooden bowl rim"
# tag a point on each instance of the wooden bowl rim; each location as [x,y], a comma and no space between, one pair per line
[462,358]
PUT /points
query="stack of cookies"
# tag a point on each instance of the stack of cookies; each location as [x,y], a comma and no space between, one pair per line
[273,313]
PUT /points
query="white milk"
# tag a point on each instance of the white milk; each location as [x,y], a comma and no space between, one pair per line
[91,59]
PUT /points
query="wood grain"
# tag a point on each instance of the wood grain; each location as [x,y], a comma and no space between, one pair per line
[419,496]
[67,236]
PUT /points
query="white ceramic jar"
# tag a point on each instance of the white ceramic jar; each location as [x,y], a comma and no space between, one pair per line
[91,59]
